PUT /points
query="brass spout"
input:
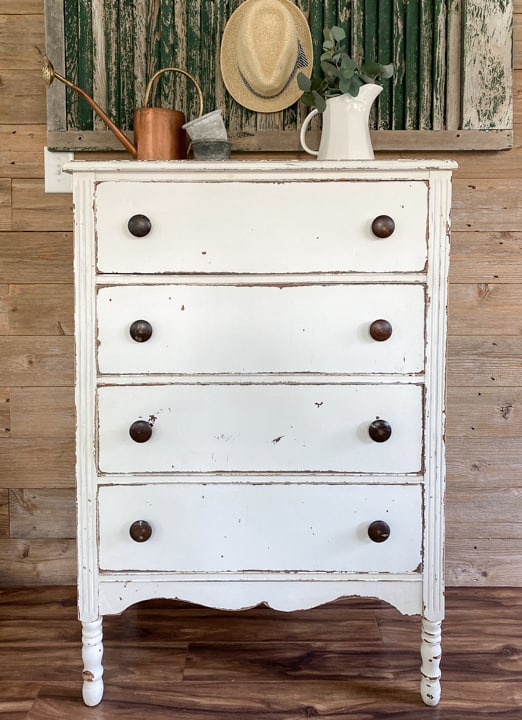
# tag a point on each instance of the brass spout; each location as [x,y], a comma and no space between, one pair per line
[49,74]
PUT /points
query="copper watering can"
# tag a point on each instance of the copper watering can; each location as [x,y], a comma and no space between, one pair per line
[158,132]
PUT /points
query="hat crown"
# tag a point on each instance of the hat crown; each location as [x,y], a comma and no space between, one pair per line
[265,44]
[267,47]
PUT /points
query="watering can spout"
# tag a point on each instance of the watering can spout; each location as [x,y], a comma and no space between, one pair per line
[158,131]
[50,74]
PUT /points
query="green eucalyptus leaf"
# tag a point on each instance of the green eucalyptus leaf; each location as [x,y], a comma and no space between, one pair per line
[348,64]
[387,71]
[320,102]
[329,69]
[337,33]
[372,69]
[308,99]
[328,45]
[304,82]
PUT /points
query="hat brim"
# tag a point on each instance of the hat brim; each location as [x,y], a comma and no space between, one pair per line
[235,83]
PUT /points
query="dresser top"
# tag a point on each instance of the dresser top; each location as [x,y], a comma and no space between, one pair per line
[235,169]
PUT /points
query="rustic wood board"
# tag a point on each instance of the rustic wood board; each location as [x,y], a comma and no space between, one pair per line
[494,506]
[26,92]
[34,209]
[21,152]
[55,303]
[487,100]
[4,513]
[5,412]
[42,412]
[486,257]
[36,463]
[485,465]
[42,513]
[5,204]
[483,360]
[37,360]
[26,562]
[493,413]
[18,40]
[36,257]
[479,561]
[492,205]
[485,309]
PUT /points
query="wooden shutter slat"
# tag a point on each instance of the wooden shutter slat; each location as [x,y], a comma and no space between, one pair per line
[384,55]
[411,65]
[439,65]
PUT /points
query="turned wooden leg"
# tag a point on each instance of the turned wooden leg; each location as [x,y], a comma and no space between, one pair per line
[430,667]
[92,653]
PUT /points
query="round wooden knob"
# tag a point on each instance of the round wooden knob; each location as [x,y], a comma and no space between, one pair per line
[139,225]
[383,226]
[140,330]
[140,431]
[380,431]
[140,531]
[378,531]
[380,330]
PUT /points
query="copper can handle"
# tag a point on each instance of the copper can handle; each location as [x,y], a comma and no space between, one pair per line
[179,70]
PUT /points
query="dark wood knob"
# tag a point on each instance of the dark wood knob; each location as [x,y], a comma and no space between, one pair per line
[378,531]
[380,431]
[383,226]
[139,225]
[380,330]
[140,330]
[140,431]
[140,531]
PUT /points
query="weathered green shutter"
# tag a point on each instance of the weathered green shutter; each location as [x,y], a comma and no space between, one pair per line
[111,49]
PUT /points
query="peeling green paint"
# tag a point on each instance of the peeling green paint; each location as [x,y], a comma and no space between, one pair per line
[140,36]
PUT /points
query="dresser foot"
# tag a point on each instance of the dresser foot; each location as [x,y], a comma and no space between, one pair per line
[92,653]
[430,667]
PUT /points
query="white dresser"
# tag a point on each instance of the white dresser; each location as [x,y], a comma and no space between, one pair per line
[260,352]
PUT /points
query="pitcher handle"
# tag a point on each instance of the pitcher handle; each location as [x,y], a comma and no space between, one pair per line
[306,122]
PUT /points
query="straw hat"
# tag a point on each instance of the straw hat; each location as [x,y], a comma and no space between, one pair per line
[265,44]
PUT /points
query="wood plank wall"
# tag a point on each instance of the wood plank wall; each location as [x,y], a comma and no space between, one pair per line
[37,546]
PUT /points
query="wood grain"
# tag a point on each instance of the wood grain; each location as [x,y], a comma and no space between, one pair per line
[36,257]
[260,663]
[36,463]
[43,412]
[42,513]
[55,303]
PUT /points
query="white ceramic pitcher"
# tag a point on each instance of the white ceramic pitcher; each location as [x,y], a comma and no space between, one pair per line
[346,133]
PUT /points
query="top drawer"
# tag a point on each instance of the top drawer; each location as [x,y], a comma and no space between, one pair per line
[261,227]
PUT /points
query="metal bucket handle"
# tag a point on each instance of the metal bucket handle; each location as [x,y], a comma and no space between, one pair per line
[179,70]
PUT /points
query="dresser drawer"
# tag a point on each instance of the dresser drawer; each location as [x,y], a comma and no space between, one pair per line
[259,427]
[260,329]
[235,527]
[260,227]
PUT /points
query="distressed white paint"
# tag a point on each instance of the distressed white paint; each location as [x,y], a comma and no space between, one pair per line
[202,227]
[430,666]
[276,427]
[269,528]
[487,94]
[301,540]
[261,329]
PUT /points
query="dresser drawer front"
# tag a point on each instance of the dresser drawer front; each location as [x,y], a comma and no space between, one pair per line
[260,329]
[261,227]
[278,528]
[256,427]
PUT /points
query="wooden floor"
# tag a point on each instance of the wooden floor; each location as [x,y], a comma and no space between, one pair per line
[354,659]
